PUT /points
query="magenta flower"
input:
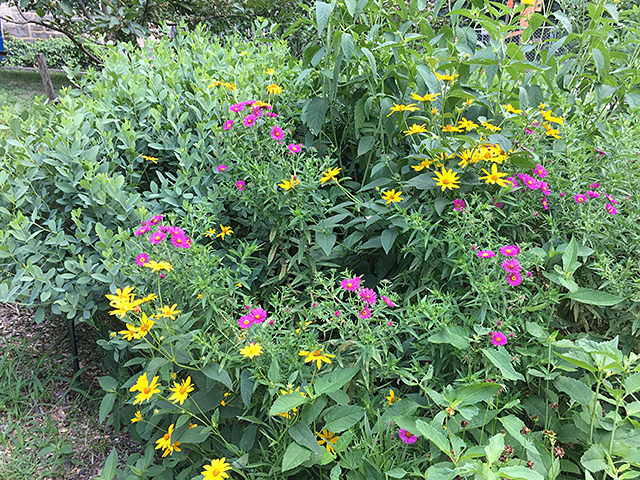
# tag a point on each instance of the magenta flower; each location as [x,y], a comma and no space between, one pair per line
[579,198]
[272,115]
[600,152]
[514,182]
[227,125]
[594,185]
[141,259]
[245,321]
[510,250]
[368,296]
[240,185]
[222,168]
[498,338]
[237,107]
[545,204]
[180,241]
[172,230]
[277,133]
[511,265]
[407,437]
[530,182]
[351,284]
[592,194]
[388,301]
[337,314]
[540,171]
[458,205]
[514,279]
[157,237]
[496,203]
[610,198]
[155,220]
[142,230]
[258,315]
[249,120]
[365,313]
[562,194]
[544,188]
[294,148]
[486,254]
[611,209]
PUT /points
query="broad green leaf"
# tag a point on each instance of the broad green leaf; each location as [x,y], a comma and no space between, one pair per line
[219,374]
[472,394]
[106,405]
[631,383]
[246,387]
[108,383]
[348,46]
[513,425]
[371,59]
[396,473]
[452,335]
[195,435]
[593,459]
[598,60]
[287,402]
[595,297]
[323,13]
[303,435]
[570,255]
[537,331]
[295,455]
[316,112]
[388,237]
[495,447]
[326,241]
[335,380]
[577,390]
[109,469]
[501,359]
[365,144]
[274,370]
[440,441]
[519,473]
[342,417]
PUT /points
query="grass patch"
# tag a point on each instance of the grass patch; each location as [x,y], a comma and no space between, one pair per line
[19,88]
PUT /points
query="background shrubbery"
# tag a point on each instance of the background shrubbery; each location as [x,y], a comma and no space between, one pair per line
[59,53]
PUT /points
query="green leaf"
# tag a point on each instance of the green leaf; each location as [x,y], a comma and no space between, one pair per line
[195,435]
[451,335]
[426,430]
[334,381]
[396,473]
[495,447]
[287,402]
[340,418]
[570,255]
[323,13]
[577,390]
[316,112]
[519,473]
[109,384]
[274,370]
[566,23]
[598,60]
[246,387]
[303,435]
[295,455]
[388,237]
[372,60]
[595,297]
[217,373]
[106,405]
[109,469]
[472,394]
[632,383]
[501,359]
[593,459]
[440,203]
[365,144]
[326,241]
[521,161]
[348,46]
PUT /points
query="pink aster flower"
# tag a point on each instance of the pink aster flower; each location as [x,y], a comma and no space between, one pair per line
[337,314]
[222,168]
[388,301]
[407,437]
[365,313]
[514,183]
[511,265]
[458,205]
[545,204]
[141,259]
[142,230]
[180,241]
[540,171]
[277,133]
[258,315]
[579,198]
[294,148]
[237,107]
[245,321]
[544,188]
[514,279]
[510,250]
[562,194]
[486,254]
[249,120]
[172,230]
[530,182]
[611,209]
[368,296]
[240,185]
[227,125]
[610,198]
[155,220]
[498,338]
[351,284]
[592,194]
[257,112]
[272,115]
[600,153]
[594,185]
[496,203]
[157,237]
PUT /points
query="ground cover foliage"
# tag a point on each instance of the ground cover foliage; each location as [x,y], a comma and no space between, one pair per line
[405,254]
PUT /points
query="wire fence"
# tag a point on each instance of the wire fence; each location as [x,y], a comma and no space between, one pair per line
[541,39]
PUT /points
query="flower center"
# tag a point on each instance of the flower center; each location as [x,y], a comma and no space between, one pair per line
[317,353]
[409,435]
[215,472]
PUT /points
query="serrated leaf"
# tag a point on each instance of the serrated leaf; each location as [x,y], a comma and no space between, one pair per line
[577,390]
[294,456]
[323,13]
[595,297]
[501,359]
[302,435]
[316,112]
[593,459]
[342,417]
[348,46]
[519,473]
[287,402]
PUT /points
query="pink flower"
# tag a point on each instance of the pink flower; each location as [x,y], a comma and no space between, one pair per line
[529,274]
[510,250]
[458,205]
[592,194]
[388,301]
[544,188]
[142,230]
[294,148]
[314,304]
[236,107]
[368,296]
[545,204]
[365,313]
[514,183]
[496,203]
[337,314]
[530,182]
[351,284]
[277,133]
[258,315]
[272,115]
[486,254]
[610,198]
[600,152]
[562,194]
[514,279]
[540,171]
[180,241]
[141,259]
[156,237]
[155,220]
[594,185]
[512,265]
[227,125]
[249,120]
[245,321]
[611,209]
[222,168]
[579,198]
[240,185]
[407,437]
[498,338]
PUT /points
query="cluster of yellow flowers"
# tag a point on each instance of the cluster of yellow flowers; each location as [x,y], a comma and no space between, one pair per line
[223,232]
[231,86]
[330,174]
[124,301]
[547,116]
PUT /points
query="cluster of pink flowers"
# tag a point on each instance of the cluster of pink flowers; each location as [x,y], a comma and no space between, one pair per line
[593,193]
[254,317]
[177,236]
[533,183]
[367,295]
[510,265]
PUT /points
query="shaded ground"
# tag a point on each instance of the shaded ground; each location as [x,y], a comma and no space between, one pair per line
[18,88]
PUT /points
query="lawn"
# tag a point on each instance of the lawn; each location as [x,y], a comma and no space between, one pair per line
[19,88]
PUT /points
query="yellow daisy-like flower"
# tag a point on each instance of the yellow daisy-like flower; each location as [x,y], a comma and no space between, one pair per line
[391,398]
[231,86]
[403,108]
[213,84]
[467,124]
[316,356]
[465,157]
[548,116]
[328,439]
[146,389]
[550,131]
[330,174]
[491,127]
[303,326]
[217,470]
[164,442]
[434,111]
[124,294]
[415,128]
[392,196]
[158,266]
[511,109]
[469,101]
[528,2]
[224,231]
[495,177]
[145,326]
[426,163]
[181,391]
[289,184]
[210,233]
[243,53]
[274,89]
[137,417]
[252,350]
[269,71]
[446,77]
[429,97]
[150,159]
[222,402]
[451,128]
[130,333]
[258,103]
[169,312]
[192,425]
[447,179]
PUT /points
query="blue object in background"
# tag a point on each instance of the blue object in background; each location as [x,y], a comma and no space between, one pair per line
[1,44]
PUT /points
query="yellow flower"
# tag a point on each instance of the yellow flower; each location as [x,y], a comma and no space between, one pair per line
[124,294]
[192,425]
[330,175]
[426,163]
[289,184]
[145,326]
[269,71]
[328,439]
[391,196]
[222,402]
[550,131]
[511,109]
[316,356]
[446,77]
[149,159]
[199,296]
[434,111]
[392,397]
[415,128]
[550,118]
[528,2]
[210,233]
[158,266]
[217,470]
[130,333]
[302,326]
[469,101]
[214,84]
[403,108]
[541,106]
[231,86]
[137,417]
[252,350]
[429,97]
[467,124]
[258,103]
[465,158]
[447,179]
[274,89]
[181,390]
[243,53]
[145,388]
[495,177]
[164,442]
[491,127]
[169,312]
[224,231]
[451,128]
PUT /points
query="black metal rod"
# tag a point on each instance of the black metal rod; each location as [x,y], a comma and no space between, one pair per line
[74,345]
